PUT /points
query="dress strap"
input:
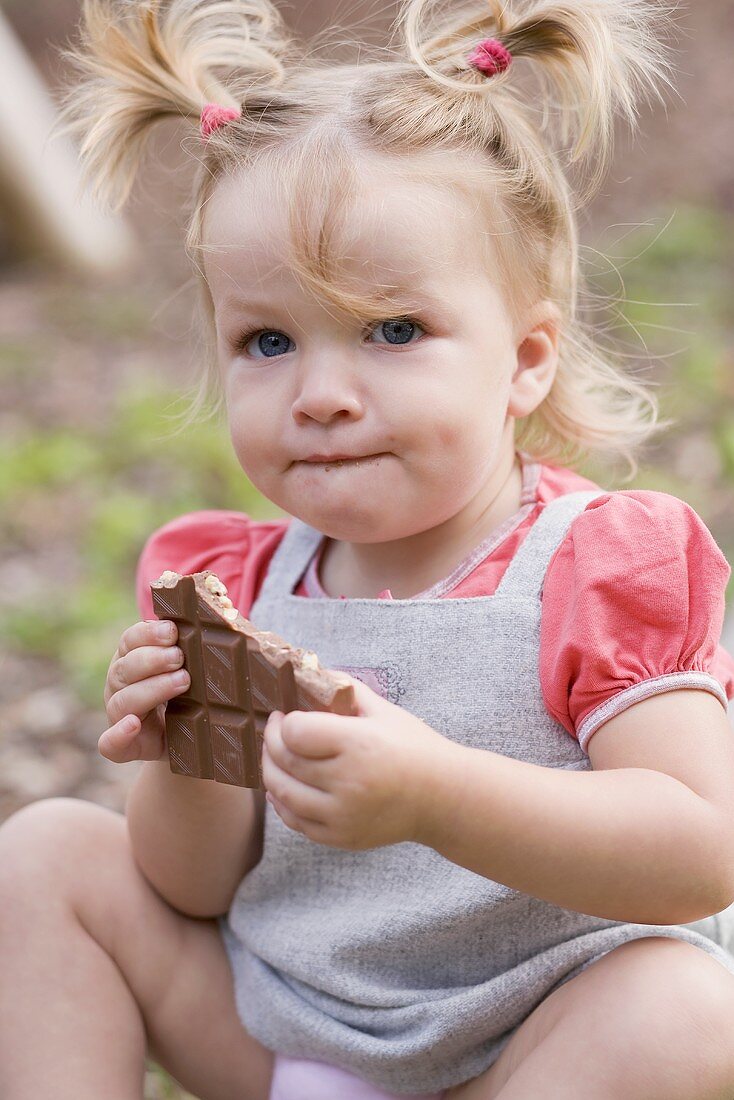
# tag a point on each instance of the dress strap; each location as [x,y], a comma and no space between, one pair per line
[525,574]
[290,560]
[523,577]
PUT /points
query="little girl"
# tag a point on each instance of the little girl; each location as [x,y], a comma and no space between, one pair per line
[479,886]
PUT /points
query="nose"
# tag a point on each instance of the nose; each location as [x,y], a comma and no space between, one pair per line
[326,390]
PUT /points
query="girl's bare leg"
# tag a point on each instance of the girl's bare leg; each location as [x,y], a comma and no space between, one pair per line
[98,971]
[650,1020]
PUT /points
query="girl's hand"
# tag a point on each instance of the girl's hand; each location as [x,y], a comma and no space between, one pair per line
[354,782]
[140,681]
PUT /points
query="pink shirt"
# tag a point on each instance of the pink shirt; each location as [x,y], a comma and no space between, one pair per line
[633,598]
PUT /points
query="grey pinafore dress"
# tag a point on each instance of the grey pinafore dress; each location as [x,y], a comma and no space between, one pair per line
[394,963]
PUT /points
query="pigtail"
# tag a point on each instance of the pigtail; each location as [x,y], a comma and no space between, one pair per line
[140,61]
[592,58]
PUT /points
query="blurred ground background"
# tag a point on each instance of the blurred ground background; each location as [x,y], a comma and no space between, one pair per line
[89,371]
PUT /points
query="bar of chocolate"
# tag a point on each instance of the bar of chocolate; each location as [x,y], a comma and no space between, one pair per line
[239,674]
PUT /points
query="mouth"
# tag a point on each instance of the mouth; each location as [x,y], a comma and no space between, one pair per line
[363,460]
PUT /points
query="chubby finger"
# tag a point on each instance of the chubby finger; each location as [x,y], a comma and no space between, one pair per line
[290,819]
[298,797]
[120,743]
[141,698]
[151,635]
[310,771]
[315,733]
[147,632]
[140,664]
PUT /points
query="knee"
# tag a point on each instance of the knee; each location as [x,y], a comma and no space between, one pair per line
[704,992]
[50,832]
[684,1006]
[686,978]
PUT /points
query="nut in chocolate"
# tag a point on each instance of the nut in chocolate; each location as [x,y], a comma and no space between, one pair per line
[239,674]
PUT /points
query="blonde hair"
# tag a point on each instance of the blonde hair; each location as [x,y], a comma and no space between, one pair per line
[420,107]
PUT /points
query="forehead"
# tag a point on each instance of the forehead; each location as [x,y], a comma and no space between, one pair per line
[394,231]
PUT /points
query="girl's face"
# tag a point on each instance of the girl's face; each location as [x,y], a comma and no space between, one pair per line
[430,400]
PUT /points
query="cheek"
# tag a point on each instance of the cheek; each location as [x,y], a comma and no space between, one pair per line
[464,416]
[242,439]
[250,445]
[464,442]
[254,417]
[459,438]
[447,435]
[246,425]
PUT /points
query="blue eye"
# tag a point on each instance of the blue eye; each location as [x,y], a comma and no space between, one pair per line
[270,342]
[397,331]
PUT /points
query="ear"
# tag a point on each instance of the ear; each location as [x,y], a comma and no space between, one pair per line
[537,361]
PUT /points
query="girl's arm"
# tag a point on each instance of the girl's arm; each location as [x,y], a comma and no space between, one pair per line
[193,839]
[646,837]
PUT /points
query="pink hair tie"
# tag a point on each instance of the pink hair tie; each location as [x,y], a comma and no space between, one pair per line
[490,57]
[214,115]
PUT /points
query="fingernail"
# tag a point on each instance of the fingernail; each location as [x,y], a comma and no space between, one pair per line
[180,678]
[164,630]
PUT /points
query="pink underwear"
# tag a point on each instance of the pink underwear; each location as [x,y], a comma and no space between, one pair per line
[302,1079]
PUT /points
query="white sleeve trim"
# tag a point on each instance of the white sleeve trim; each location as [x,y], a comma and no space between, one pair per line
[655,686]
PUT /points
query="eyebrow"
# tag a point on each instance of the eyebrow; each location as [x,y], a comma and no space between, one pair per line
[422,296]
[241,300]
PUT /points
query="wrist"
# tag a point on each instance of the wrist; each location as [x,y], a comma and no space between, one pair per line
[442,784]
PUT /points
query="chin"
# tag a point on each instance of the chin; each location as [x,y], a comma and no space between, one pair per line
[342,516]
[351,526]
[362,527]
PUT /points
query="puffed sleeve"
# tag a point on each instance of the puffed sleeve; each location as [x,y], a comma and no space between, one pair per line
[633,605]
[214,539]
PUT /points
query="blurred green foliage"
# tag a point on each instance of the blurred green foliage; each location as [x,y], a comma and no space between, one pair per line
[129,474]
[159,1086]
[670,284]
[128,477]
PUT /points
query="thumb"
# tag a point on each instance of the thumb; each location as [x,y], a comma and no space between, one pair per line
[368,702]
